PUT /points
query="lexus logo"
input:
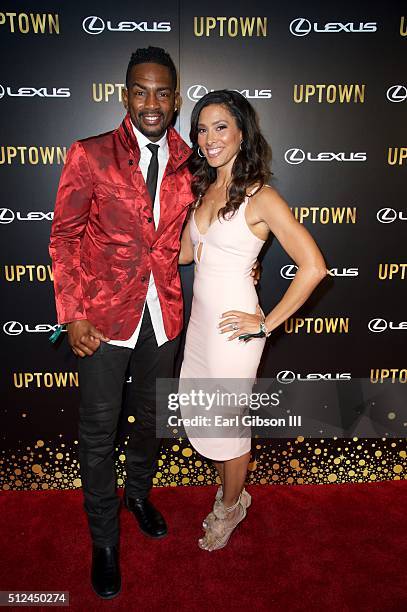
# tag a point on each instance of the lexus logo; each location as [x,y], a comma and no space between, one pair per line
[294,156]
[6,215]
[300,27]
[30,92]
[196,92]
[377,325]
[297,156]
[13,328]
[288,271]
[285,377]
[93,25]
[397,93]
[380,325]
[288,376]
[386,215]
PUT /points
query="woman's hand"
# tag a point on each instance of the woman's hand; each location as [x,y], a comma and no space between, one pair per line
[240,322]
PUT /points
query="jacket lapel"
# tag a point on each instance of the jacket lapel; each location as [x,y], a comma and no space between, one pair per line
[179,153]
[170,198]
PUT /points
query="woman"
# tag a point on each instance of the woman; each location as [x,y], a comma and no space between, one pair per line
[234,213]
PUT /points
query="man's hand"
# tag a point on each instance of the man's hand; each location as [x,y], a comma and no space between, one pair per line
[84,338]
[256,272]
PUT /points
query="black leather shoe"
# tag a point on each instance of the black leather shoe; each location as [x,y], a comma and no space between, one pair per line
[106,579]
[150,520]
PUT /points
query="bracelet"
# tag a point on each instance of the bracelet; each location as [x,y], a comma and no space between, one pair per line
[54,337]
[264,329]
[247,337]
[263,332]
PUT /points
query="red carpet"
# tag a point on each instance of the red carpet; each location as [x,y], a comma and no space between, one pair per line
[305,547]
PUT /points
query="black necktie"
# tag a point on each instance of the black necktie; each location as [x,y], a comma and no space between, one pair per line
[152,173]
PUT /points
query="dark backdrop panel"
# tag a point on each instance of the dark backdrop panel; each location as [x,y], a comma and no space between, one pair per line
[288,50]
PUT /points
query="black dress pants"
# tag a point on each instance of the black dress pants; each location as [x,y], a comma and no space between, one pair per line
[102,377]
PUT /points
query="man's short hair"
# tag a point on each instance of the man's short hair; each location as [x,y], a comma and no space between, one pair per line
[152,55]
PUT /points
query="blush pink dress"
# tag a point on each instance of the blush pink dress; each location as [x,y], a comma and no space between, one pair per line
[224,257]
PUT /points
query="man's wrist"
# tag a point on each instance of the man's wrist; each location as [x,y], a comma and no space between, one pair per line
[74,321]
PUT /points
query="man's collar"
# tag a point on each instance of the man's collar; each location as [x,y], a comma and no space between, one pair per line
[143,141]
[179,151]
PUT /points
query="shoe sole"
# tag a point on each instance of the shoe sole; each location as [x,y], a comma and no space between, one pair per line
[106,596]
[153,537]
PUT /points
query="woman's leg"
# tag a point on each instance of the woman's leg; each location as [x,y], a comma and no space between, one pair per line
[234,476]
[229,513]
[220,468]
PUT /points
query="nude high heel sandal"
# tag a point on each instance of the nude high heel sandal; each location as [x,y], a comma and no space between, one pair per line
[246,501]
[221,528]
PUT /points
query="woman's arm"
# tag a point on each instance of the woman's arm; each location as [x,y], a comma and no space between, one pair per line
[186,254]
[298,243]
[270,210]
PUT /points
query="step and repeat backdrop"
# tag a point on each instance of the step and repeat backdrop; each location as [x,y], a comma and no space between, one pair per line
[329,84]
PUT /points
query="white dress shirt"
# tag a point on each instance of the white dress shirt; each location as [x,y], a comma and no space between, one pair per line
[152,300]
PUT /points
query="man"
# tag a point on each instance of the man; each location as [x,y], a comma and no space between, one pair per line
[121,204]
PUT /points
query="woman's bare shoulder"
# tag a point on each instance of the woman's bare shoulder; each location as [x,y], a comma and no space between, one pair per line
[266,197]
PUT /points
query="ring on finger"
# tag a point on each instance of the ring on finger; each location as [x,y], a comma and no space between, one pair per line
[235,326]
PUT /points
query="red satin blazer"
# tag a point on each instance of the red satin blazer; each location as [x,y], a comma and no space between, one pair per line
[103,240]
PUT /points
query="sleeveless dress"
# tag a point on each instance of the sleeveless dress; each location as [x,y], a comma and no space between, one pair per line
[224,257]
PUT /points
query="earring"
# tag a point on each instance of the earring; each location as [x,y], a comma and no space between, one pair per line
[200,152]
[240,146]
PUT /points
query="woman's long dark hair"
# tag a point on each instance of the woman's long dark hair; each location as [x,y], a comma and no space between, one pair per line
[251,166]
